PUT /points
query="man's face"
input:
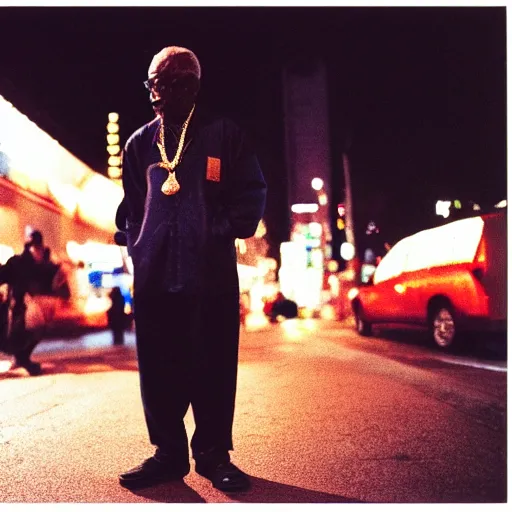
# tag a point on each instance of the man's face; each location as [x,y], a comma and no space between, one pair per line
[37,252]
[173,89]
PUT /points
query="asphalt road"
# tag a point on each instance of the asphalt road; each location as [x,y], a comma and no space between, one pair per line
[323,416]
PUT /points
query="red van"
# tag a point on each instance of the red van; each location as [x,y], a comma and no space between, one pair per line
[449,279]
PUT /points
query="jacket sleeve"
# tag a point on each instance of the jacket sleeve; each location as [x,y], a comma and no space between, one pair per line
[8,270]
[3,274]
[130,211]
[245,193]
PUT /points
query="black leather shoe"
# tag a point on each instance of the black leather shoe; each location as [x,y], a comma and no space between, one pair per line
[152,472]
[224,476]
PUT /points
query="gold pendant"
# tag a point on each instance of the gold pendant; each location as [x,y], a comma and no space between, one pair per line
[170,186]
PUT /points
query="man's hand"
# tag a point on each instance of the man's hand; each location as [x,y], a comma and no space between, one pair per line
[120,238]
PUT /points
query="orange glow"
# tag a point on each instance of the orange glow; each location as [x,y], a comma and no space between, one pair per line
[255,320]
[51,176]
[261,230]
[294,329]
[332,266]
[96,305]
[481,252]
[328,312]
[9,223]
[399,288]
[99,200]
[334,285]
[241,245]
[29,180]
[271,263]
[65,194]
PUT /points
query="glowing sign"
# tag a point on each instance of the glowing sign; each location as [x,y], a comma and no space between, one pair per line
[304,208]
[347,251]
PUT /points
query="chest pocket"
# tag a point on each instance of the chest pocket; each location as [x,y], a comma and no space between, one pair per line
[214,166]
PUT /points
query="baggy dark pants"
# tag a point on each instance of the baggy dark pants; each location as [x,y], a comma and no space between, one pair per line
[21,342]
[187,347]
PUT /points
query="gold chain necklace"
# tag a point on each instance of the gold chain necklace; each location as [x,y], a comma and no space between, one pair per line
[170,186]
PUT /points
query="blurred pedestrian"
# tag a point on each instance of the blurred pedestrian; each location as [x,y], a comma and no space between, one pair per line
[117,320]
[281,306]
[245,308]
[192,185]
[30,303]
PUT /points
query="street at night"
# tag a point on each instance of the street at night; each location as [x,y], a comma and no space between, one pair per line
[323,415]
[332,179]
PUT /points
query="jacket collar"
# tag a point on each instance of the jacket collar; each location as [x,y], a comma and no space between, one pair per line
[194,123]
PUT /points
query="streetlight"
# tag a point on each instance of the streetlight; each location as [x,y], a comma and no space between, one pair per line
[317,184]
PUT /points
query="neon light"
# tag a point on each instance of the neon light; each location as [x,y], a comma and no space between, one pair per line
[304,208]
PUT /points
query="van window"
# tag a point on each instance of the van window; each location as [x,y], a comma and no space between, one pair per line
[393,263]
[456,242]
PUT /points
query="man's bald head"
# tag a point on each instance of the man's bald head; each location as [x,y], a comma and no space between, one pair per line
[173,81]
[175,60]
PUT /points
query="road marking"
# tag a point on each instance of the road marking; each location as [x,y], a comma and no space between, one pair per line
[473,364]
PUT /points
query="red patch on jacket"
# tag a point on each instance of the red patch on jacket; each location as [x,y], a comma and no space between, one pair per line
[213,169]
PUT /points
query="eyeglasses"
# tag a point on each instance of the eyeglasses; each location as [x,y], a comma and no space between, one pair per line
[177,83]
[150,84]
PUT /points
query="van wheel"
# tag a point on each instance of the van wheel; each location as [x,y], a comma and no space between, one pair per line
[443,327]
[363,327]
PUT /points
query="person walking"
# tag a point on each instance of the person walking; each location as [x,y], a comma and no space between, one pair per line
[116,317]
[192,185]
[30,302]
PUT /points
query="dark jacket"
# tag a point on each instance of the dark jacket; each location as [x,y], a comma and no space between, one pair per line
[186,241]
[23,275]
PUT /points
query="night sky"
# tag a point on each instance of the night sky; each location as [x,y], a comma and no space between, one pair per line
[417,94]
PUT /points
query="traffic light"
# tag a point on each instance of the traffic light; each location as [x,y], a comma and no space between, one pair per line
[340,221]
[113,147]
